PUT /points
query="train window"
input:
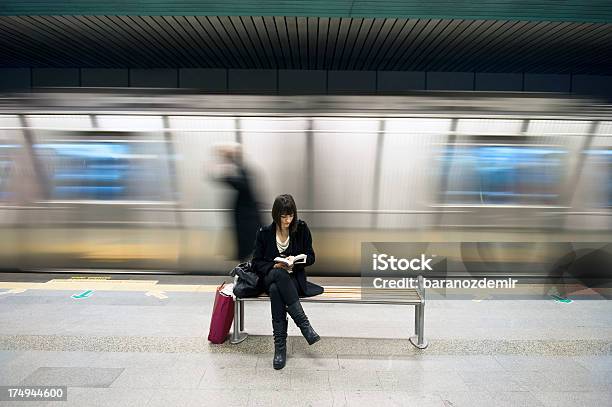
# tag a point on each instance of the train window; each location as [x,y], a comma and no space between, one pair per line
[86,170]
[501,174]
[127,168]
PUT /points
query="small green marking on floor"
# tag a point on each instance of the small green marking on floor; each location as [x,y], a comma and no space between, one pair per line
[84,294]
[561,299]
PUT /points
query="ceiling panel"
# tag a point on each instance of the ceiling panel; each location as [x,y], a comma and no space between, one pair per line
[281,42]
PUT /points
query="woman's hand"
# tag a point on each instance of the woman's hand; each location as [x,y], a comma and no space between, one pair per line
[283,266]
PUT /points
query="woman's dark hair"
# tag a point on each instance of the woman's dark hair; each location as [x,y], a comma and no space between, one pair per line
[285,205]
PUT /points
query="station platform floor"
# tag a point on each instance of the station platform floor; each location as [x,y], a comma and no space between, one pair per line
[141,340]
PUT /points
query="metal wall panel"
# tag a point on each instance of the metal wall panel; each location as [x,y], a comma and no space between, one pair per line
[450,80]
[104,77]
[302,81]
[397,82]
[547,83]
[210,80]
[43,77]
[15,78]
[499,81]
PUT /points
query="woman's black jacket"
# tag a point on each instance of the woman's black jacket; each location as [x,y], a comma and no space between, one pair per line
[300,242]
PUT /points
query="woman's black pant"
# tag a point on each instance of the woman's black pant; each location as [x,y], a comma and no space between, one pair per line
[283,290]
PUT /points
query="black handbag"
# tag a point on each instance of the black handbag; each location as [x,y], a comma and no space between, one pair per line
[247,284]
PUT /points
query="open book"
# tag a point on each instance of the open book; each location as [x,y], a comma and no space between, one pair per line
[290,261]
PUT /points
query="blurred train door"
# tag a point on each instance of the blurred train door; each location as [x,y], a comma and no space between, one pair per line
[108,202]
[17,187]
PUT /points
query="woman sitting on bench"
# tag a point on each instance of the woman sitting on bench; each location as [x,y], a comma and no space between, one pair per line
[286,237]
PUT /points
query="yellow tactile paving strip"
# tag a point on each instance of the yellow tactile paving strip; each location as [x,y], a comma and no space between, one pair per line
[107,284]
[152,287]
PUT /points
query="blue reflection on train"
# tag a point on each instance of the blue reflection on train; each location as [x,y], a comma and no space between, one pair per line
[86,170]
[487,174]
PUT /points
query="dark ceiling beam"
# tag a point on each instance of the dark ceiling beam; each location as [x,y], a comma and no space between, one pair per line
[593,11]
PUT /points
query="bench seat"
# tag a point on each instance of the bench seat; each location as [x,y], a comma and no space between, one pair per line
[351,295]
[345,294]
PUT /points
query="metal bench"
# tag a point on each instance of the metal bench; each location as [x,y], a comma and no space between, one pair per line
[352,295]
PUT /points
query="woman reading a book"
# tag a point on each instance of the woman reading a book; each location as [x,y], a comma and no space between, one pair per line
[282,251]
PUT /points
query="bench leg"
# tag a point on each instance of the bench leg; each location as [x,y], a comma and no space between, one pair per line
[418,339]
[241,316]
[237,334]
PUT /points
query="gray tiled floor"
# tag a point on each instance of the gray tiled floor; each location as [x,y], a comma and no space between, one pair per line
[72,376]
[123,349]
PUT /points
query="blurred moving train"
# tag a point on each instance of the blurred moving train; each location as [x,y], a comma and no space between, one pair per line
[117,179]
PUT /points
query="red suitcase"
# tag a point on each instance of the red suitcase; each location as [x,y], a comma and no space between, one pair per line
[222,317]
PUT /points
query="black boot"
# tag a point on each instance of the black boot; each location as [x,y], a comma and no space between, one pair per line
[279,330]
[301,320]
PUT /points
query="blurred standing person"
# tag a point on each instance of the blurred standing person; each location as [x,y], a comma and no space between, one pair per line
[247,221]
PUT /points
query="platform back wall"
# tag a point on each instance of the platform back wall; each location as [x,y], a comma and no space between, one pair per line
[271,81]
